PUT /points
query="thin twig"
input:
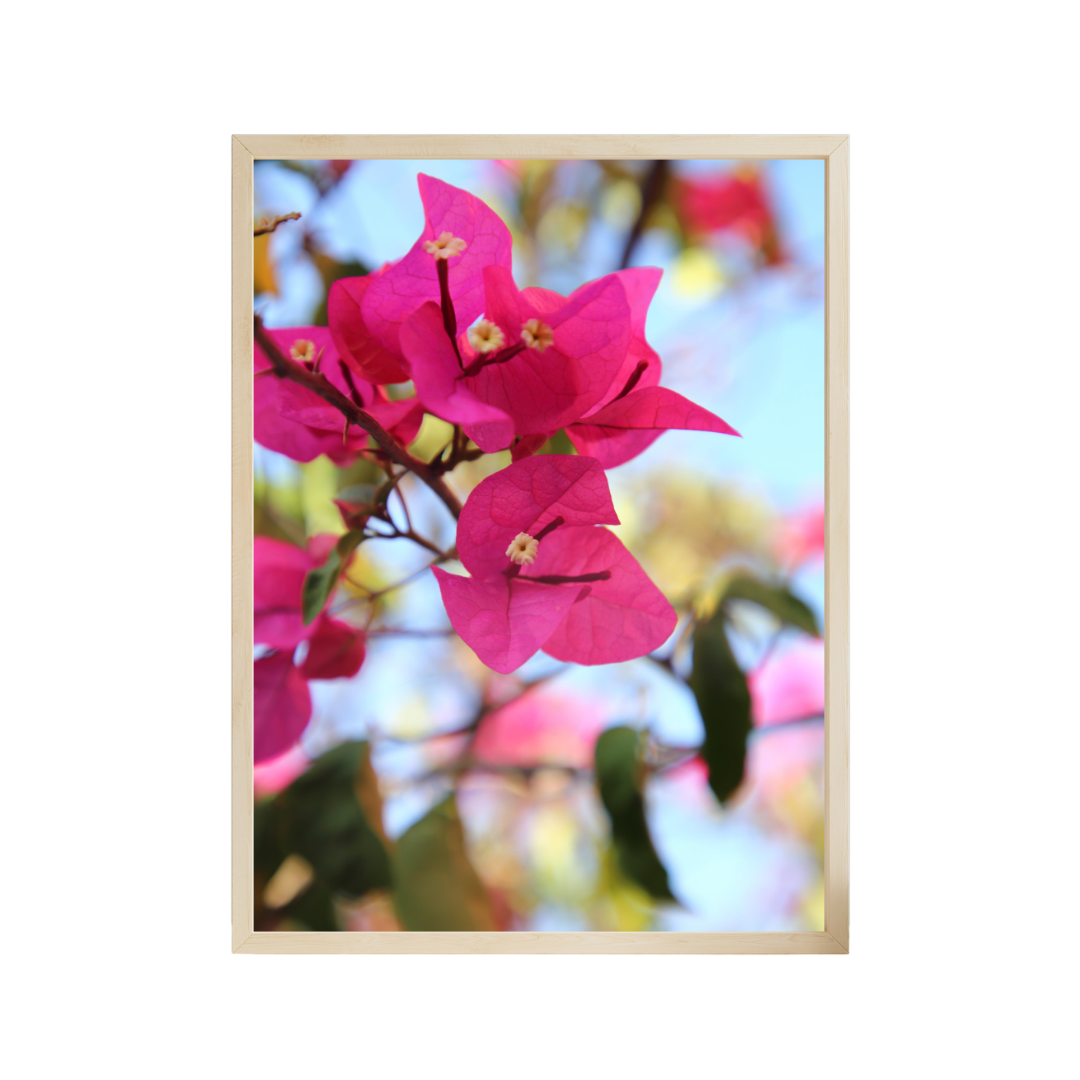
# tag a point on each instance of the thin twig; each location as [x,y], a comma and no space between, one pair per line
[651,190]
[269,224]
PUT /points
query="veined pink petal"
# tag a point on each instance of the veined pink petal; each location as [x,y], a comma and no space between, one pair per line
[357,345]
[503,621]
[543,390]
[335,650]
[396,293]
[528,444]
[282,705]
[401,418]
[524,497]
[640,283]
[622,429]
[609,445]
[436,374]
[619,619]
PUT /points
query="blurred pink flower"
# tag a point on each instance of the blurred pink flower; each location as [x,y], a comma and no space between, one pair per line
[735,202]
[540,729]
[800,536]
[791,684]
[278,773]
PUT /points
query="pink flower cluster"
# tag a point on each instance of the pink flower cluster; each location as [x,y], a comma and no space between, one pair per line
[512,367]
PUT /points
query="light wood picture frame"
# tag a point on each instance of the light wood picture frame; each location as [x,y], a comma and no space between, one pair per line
[834,151]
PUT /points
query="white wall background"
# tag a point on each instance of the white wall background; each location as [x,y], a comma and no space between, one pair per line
[115,218]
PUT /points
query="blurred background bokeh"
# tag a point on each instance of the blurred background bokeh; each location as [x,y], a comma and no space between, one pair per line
[738,321]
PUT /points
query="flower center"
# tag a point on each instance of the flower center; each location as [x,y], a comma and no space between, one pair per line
[522,550]
[302,350]
[486,337]
[447,245]
[537,335]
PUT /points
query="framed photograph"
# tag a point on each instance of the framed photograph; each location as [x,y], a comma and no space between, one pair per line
[540,544]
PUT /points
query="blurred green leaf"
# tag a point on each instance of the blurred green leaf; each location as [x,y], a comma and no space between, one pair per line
[319,583]
[269,852]
[618,776]
[723,698]
[325,821]
[435,885]
[776,599]
[313,908]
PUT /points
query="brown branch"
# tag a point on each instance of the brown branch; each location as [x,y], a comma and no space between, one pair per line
[651,191]
[286,368]
[269,224]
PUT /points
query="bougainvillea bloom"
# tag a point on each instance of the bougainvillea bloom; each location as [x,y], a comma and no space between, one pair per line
[296,422]
[463,235]
[534,363]
[583,598]
[789,685]
[334,649]
[634,411]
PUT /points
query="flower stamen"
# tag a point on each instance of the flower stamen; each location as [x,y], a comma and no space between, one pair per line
[486,337]
[522,550]
[302,350]
[537,335]
[446,246]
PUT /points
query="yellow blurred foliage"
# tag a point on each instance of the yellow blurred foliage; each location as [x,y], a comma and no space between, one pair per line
[553,841]
[620,204]
[264,268]
[318,487]
[697,274]
[683,528]
[619,904]
[563,226]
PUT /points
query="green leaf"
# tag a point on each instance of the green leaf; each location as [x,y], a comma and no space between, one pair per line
[777,600]
[325,821]
[723,699]
[358,494]
[435,885]
[269,850]
[313,908]
[618,776]
[319,583]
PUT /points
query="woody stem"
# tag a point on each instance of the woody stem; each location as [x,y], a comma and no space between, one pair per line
[499,358]
[562,579]
[449,316]
[285,368]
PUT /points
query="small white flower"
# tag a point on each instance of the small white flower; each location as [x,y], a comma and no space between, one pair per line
[448,244]
[302,350]
[522,549]
[537,335]
[486,337]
